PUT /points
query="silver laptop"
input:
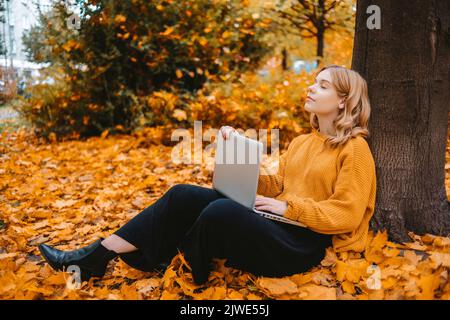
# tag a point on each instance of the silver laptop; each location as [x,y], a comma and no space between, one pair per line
[236,172]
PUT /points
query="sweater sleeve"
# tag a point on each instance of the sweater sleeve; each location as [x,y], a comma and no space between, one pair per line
[272,185]
[343,211]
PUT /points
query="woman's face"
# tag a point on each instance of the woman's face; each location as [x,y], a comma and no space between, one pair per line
[322,97]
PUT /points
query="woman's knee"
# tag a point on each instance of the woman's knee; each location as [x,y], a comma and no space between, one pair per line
[192,193]
[183,190]
[180,187]
[188,197]
[220,211]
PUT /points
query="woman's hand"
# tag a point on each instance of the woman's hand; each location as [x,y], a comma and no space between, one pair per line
[226,131]
[270,204]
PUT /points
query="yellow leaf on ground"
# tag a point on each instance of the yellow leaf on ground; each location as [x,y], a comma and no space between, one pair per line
[211,293]
[440,259]
[278,286]
[428,283]
[314,292]
[166,295]
[348,287]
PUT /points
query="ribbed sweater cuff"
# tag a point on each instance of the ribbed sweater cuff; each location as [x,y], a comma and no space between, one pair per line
[294,209]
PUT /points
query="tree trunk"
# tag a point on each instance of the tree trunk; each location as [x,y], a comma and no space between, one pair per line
[407,67]
[284,59]
[320,31]
[320,44]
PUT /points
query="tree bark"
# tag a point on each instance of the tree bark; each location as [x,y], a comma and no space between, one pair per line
[320,44]
[407,67]
[320,31]
[284,55]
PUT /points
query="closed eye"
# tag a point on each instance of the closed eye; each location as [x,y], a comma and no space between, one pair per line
[323,87]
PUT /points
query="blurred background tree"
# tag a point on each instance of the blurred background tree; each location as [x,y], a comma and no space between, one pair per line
[313,19]
[124,51]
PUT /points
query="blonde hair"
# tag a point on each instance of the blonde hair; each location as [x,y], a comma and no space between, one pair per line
[352,120]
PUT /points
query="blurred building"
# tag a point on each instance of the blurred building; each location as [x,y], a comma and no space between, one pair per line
[19,16]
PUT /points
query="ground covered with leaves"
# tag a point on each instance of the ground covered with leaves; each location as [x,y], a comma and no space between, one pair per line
[68,194]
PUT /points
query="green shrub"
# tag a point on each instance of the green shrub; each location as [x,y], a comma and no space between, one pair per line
[128,51]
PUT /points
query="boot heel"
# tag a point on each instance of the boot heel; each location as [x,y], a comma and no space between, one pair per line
[86,273]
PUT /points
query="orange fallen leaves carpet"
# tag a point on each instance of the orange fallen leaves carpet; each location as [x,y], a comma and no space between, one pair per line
[70,193]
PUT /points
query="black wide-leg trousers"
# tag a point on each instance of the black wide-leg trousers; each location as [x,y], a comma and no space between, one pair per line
[204,224]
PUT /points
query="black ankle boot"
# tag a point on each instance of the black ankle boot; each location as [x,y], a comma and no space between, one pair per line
[92,259]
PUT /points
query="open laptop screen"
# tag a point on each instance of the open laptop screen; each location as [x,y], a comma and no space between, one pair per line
[236,168]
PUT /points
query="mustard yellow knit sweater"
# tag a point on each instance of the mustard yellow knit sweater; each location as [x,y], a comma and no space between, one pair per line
[331,191]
